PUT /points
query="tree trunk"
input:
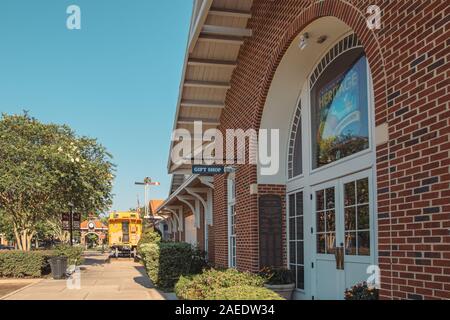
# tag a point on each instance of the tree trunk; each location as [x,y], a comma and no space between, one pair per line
[18,239]
[23,238]
[24,241]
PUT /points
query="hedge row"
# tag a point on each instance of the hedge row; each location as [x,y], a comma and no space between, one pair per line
[170,264]
[34,264]
[73,254]
[20,264]
[167,262]
[224,285]
[149,236]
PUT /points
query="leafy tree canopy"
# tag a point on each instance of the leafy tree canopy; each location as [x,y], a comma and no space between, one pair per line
[46,167]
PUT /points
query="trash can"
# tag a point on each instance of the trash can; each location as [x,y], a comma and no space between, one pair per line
[59,267]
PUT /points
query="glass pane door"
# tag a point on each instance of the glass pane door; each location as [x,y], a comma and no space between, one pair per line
[326,220]
[357,217]
[344,233]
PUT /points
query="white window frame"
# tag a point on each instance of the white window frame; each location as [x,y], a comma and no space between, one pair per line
[288,236]
[231,204]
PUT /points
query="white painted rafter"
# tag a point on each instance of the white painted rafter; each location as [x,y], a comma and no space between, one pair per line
[202,104]
[207,202]
[230,13]
[178,213]
[207,181]
[226,31]
[206,122]
[207,84]
[230,40]
[192,62]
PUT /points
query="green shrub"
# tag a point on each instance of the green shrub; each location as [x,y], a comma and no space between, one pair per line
[199,287]
[243,293]
[198,262]
[47,255]
[73,254]
[167,262]
[20,264]
[149,236]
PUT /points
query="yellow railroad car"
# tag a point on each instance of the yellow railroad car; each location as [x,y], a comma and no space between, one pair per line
[124,232]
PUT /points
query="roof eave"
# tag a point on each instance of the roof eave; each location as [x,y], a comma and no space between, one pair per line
[197,22]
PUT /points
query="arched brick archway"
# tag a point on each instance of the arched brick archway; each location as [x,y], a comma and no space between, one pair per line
[273,33]
[96,227]
[350,15]
[356,20]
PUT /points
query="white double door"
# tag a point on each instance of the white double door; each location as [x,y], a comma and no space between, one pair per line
[344,234]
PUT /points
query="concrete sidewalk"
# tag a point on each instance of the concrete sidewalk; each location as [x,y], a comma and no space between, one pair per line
[121,279]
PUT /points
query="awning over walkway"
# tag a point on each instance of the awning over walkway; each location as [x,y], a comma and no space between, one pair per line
[193,195]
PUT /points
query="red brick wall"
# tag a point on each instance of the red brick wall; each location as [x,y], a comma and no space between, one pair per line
[247,235]
[211,246]
[409,63]
[220,222]
[201,230]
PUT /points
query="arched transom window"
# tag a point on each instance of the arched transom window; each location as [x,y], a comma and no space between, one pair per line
[338,109]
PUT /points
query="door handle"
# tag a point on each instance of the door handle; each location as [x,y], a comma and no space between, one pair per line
[339,255]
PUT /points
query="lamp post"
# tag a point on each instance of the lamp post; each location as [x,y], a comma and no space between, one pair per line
[147,183]
[71,223]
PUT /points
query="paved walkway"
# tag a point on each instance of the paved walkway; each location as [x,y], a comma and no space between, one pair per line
[117,280]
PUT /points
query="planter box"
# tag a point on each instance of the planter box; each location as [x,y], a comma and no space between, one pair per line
[284,290]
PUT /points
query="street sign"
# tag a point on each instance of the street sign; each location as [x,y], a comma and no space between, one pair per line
[208,170]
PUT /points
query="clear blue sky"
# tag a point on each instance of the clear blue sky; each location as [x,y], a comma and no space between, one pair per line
[116,79]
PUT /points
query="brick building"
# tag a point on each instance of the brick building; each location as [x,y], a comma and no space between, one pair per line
[364,126]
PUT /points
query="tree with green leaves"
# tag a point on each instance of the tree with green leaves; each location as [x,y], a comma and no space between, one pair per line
[5,229]
[45,168]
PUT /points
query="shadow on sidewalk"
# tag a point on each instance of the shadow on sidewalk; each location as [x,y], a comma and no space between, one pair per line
[95,259]
[143,280]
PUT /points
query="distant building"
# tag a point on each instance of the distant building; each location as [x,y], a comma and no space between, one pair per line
[93,226]
[154,205]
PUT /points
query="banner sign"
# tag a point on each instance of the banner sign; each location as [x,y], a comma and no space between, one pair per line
[66,221]
[76,221]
